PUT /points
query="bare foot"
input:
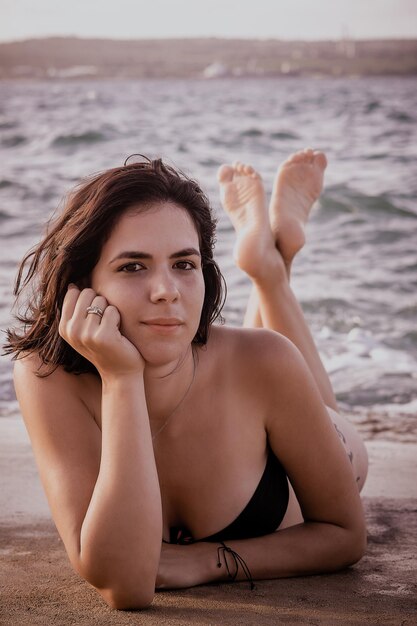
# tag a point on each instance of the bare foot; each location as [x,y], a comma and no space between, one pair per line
[297,186]
[243,197]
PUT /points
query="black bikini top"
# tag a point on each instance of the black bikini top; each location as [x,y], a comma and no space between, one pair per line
[261,516]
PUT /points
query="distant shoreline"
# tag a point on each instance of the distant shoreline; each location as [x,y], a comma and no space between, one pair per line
[77,58]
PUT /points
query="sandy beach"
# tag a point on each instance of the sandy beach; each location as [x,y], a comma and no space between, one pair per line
[38,586]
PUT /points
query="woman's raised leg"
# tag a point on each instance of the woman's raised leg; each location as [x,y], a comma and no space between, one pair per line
[256,252]
[265,248]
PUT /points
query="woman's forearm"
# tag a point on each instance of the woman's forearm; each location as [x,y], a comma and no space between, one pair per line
[120,539]
[308,548]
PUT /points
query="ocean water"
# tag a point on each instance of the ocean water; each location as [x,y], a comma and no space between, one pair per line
[357,277]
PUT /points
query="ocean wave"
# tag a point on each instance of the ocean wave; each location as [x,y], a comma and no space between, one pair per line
[372,106]
[362,351]
[408,267]
[408,312]
[345,199]
[6,124]
[4,183]
[4,216]
[395,133]
[377,156]
[251,132]
[328,306]
[284,135]
[333,200]
[375,284]
[210,162]
[410,338]
[7,392]
[385,236]
[258,132]
[400,116]
[88,137]
[13,141]
[383,205]
[224,142]
[368,374]
[19,230]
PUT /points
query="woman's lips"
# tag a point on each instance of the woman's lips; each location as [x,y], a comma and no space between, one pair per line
[164,325]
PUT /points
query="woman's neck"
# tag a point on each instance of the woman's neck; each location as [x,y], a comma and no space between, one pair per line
[167,385]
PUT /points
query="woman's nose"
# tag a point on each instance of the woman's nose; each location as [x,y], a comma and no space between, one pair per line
[164,288]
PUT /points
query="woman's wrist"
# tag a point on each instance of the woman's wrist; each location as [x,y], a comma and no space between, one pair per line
[212,565]
[205,560]
[116,380]
[220,563]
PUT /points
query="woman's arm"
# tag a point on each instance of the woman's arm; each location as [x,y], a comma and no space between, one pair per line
[102,487]
[304,439]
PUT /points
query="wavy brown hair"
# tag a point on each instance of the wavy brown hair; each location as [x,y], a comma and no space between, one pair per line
[73,243]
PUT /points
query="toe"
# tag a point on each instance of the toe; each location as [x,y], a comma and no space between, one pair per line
[248,170]
[297,157]
[225,173]
[320,159]
[292,158]
[239,167]
[300,156]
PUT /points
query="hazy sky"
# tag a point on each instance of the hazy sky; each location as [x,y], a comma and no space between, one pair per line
[283,19]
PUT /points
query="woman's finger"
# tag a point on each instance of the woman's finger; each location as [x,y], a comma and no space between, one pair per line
[74,311]
[95,311]
[111,316]
[70,300]
[85,299]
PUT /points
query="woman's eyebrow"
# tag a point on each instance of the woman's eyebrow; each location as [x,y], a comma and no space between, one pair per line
[137,254]
[185,252]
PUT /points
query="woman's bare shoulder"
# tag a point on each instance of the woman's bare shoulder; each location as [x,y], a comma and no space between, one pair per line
[41,383]
[31,364]
[31,367]
[260,345]
[258,360]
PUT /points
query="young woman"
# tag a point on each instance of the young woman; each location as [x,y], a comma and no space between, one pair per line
[174,452]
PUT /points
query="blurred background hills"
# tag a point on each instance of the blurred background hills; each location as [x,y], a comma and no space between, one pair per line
[73,57]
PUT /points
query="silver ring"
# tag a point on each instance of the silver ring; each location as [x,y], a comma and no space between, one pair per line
[95,310]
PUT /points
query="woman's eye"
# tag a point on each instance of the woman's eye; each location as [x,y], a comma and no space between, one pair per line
[132,267]
[185,265]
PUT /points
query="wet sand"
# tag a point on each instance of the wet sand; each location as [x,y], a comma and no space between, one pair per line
[38,586]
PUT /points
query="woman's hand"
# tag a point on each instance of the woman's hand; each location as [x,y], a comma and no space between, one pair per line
[98,338]
[183,566]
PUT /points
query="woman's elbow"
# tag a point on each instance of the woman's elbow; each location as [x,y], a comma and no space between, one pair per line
[356,546]
[127,600]
[122,592]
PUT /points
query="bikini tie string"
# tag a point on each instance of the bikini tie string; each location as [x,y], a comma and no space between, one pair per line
[237,559]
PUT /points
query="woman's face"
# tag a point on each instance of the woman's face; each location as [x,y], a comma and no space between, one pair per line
[150,269]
